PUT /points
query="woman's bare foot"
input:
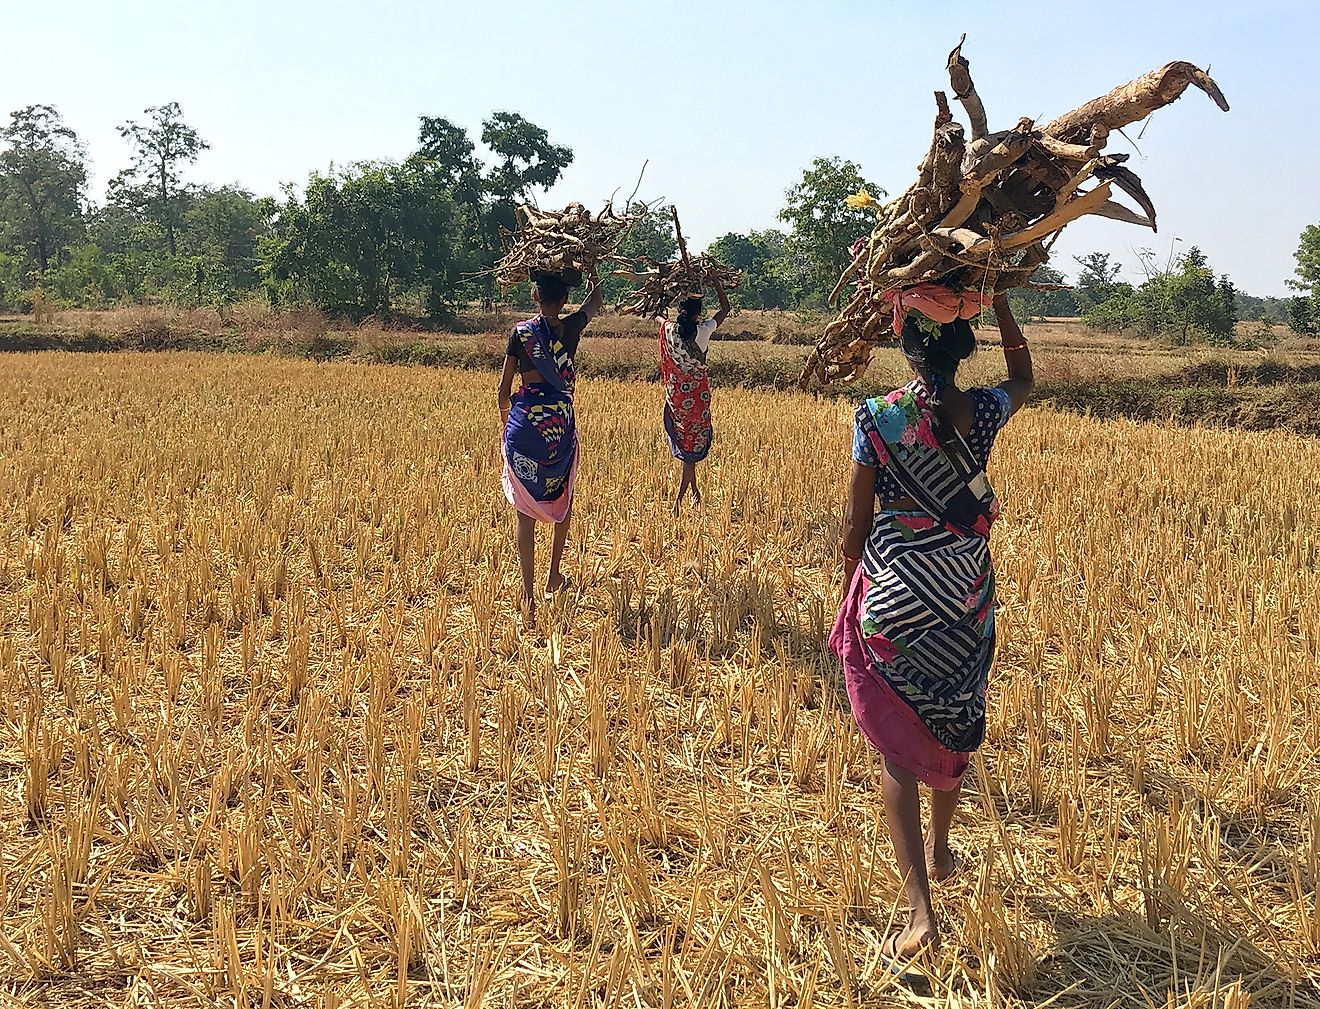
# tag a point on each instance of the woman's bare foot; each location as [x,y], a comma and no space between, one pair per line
[940,862]
[557,583]
[914,939]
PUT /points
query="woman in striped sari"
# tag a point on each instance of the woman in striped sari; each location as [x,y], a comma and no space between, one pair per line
[915,633]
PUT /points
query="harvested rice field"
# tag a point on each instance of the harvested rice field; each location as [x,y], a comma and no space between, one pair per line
[272,733]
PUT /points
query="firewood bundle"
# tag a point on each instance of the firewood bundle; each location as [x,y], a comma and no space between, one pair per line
[662,284]
[569,242]
[986,207]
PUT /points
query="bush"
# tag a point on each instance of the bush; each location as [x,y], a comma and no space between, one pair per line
[1302,316]
[1120,312]
[1185,305]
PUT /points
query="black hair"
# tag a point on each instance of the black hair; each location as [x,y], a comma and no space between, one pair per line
[688,310]
[550,287]
[935,359]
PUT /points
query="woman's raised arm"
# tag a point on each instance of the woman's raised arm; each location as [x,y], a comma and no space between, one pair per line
[725,307]
[1017,355]
[595,303]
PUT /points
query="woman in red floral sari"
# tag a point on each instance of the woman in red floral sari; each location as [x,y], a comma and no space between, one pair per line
[687,420]
[915,633]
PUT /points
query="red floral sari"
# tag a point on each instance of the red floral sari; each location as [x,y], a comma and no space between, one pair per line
[687,397]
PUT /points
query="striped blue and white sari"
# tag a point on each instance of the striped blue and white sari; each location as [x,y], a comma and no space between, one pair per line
[927,584]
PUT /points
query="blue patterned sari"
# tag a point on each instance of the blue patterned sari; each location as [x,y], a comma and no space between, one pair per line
[540,439]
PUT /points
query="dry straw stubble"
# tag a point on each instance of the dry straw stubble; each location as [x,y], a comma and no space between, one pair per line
[270,736]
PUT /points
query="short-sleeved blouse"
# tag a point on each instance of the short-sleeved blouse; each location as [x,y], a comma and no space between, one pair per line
[570,333]
[990,410]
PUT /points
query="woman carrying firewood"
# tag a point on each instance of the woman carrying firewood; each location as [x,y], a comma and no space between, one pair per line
[683,347]
[540,434]
[916,631]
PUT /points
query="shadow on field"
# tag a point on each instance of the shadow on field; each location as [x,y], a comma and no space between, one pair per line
[1146,964]
[1182,946]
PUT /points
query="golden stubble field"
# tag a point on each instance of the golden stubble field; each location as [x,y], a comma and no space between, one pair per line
[270,734]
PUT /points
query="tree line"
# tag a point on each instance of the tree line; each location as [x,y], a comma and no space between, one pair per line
[1182,299]
[416,236]
[371,238]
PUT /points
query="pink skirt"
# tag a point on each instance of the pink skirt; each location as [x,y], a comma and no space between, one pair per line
[886,721]
[542,511]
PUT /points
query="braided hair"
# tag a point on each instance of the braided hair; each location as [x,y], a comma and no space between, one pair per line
[935,356]
[688,311]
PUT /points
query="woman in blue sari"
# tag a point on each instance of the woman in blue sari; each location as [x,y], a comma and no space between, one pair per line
[916,632]
[540,432]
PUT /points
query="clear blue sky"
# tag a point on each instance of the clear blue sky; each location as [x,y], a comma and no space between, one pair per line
[728,100]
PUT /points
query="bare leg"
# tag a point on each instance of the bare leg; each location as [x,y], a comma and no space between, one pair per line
[690,474]
[527,559]
[683,481]
[903,813]
[939,857]
[554,580]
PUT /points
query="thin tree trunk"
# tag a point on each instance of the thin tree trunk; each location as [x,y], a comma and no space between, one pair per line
[166,209]
[39,219]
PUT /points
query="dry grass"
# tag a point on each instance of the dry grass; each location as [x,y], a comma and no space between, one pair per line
[255,318]
[773,344]
[269,735]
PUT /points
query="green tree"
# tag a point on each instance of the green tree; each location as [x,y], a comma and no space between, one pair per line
[127,259]
[124,222]
[15,293]
[1301,318]
[221,231]
[1098,279]
[161,147]
[1184,303]
[91,277]
[1307,281]
[1308,261]
[1269,310]
[1189,303]
[525,158]
[1032,304]
[446,148]
[824,226]
[43,176]
[1223,309]
[523,161]
[445,151]
[765,261]
[363,238]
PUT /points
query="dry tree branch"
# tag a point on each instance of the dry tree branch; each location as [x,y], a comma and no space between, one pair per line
[960,79]
[569,242]
[983,212]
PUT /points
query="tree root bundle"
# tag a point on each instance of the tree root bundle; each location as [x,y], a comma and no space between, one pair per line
[662,284]
[569,242]
[986,207]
